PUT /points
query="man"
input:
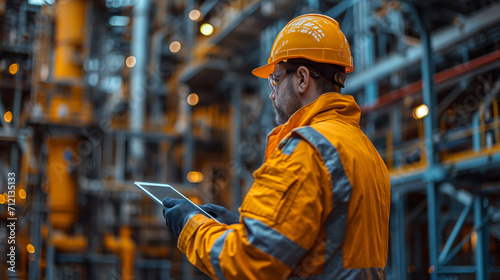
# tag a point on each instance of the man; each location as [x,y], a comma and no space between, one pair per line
[319,206]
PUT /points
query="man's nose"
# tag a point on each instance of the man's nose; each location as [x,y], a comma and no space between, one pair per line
[272,96]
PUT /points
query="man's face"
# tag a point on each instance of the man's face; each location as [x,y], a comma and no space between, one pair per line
[285,98]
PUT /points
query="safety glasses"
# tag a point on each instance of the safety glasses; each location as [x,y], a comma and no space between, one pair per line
[273,79]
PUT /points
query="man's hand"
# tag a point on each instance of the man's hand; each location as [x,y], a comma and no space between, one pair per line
[178,214]
[221,214]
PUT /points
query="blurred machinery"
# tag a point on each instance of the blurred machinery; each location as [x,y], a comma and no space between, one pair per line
[97,94]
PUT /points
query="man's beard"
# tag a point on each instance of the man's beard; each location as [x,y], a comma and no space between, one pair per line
[288,105]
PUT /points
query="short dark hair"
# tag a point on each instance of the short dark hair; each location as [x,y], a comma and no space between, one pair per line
[327,85]
[327,81]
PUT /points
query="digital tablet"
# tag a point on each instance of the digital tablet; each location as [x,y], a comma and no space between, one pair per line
[158,192]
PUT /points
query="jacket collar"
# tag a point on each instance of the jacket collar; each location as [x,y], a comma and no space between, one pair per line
[327,106]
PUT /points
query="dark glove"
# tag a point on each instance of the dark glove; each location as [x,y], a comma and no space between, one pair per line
[221,214]
[178,213]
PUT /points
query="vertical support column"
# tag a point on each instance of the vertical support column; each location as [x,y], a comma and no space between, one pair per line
[188,146]
[18,94]
[392,270]
[35,229]
[50,261]
[371,88]
[421,16]
[429,94]
[430,122]
[236,166]
[396,125]
[480,241]
[5,125]
[120,157]
[190,31]
[188,139]
[364,54]
[357,47]
[186,127]
[401,236]
[138,77]
[36,216]
[14,157]
[432,212]
[313,5]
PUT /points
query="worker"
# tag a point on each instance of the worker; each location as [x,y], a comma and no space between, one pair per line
[319,205]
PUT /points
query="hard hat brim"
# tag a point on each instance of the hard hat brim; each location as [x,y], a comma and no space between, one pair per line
[265,70]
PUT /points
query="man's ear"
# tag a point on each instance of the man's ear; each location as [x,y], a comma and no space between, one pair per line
[304,79]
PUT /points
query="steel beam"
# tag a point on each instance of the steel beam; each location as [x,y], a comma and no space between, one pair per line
[190,36]
[120,157]
[396,125]
[401,236]
[432,213]
[443,39]
[454,234]
[36,217]
[477,144]
[188,142]
[5,124]
[481,238]
[422,18]
[463,269]
[138,88]
[18,95]
[340,8]
[429,94]
[313,5]
[444,78]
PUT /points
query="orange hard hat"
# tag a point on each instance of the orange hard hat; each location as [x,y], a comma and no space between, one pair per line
[312,36]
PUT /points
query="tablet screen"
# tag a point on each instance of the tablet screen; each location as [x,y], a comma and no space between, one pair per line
[158,192]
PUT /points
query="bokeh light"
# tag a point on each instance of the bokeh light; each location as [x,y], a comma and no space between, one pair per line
[421,111]
[195,177]
[13,68]
[22,194]
[175,46]
[195,15]
[193,99]
[7,117]
[206,29]
[30,248]
[130,61]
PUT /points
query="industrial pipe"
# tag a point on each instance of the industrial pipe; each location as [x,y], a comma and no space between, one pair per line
[125,248]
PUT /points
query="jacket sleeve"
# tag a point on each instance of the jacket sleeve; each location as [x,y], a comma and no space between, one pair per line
[281,217]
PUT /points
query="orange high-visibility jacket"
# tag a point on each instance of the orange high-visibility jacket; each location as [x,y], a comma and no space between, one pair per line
[318,209]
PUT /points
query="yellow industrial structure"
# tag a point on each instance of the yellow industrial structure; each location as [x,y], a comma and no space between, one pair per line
[97,94]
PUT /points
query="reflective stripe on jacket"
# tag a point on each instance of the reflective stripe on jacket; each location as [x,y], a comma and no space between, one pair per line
[318,209]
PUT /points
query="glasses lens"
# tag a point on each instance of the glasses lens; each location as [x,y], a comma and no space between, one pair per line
[272,83]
